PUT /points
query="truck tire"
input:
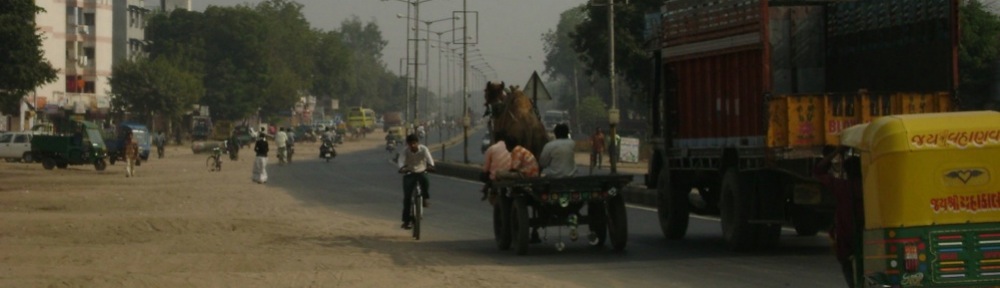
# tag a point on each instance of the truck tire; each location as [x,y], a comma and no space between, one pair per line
[100,165]
[501,222]
[48,163]
[672,207]
[519,225]
[735,205]
[617,222]
[27,157]
[597,221]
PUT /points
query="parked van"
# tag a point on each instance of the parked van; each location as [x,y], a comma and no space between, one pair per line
[16,146]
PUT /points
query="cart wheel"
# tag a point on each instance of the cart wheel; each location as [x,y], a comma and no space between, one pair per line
[100,165]
[617,222]
[501,223]
[519,225]
[48,163]
[735,205]
[672,206]
[598,222]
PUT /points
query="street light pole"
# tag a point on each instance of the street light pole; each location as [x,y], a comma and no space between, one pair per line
[465,80]
[613,115]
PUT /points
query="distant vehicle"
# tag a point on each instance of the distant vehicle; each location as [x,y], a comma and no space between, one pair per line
[82,146]
[487,141]
[16,146]
[391,119]
[201,128]
[244,135]
[555,117]
[363,118]
[116,140]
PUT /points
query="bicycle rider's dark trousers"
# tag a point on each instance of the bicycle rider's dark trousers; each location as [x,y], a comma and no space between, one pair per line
[409,182]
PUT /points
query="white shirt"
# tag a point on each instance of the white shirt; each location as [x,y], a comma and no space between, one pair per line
[281,139]
[416,161]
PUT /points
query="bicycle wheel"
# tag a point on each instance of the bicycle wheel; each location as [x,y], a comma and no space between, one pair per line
[218,164]
[418,212]
[210,163]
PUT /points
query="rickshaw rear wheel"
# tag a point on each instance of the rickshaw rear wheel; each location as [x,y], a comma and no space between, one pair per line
[672,206]
[735,205]
[617,222]
[519,225]
[501,222]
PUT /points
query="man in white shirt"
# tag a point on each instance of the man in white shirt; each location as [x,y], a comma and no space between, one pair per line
[416,161]
[281,140]
[557,158]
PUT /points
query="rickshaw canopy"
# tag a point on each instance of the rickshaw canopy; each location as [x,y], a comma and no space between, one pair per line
[929,169]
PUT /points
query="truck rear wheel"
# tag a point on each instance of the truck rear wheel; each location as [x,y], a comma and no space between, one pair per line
[736,207]
[671,207]
[100,165]
[48,163]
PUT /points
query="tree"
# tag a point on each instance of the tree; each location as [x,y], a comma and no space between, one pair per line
[978,54]
[24,66]
[593,113]
[144,87]
[631,59]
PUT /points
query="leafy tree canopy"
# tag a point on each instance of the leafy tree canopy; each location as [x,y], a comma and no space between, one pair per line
[24,66]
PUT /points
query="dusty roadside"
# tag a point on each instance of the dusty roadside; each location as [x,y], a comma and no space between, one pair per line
[177,225]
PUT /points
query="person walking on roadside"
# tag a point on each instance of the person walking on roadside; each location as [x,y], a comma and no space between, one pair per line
[260,163]
[131,149]
[160,141]
[597,145]
[281,140]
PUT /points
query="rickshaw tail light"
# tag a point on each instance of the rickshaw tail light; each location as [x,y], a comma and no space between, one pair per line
[911,257]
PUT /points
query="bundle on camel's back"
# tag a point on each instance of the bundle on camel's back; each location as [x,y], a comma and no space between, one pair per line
[514,114]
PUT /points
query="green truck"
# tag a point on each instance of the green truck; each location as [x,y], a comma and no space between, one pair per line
[79,144]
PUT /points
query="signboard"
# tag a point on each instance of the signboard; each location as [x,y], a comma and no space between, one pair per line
[334,104]
[629,151]
[535,89]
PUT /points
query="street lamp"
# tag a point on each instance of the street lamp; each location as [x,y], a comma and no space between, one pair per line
[416,48]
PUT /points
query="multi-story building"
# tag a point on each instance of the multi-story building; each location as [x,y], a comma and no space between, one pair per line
[82,39]
[78,43]
[129,33]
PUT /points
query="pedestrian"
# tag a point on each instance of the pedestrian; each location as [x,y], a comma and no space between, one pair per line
[597,145]
[160,141]
[281,140]
[260,164]
[131,149]
[841,175]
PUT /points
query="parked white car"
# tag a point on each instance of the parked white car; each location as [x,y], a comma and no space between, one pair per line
[16,146]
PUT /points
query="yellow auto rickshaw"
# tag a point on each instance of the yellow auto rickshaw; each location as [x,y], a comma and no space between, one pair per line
[931,200]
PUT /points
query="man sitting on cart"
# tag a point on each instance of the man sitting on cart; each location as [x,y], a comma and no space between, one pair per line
[557,159]
[497,160]
[522,165]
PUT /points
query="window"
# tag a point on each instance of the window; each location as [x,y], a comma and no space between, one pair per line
[88,19]
[22,138]
[89,52]
[88,87]
[5,138]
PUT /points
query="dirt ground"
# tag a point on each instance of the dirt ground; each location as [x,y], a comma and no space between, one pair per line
[177,225]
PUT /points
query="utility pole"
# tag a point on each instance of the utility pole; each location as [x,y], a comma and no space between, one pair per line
[465,79]
[613,114]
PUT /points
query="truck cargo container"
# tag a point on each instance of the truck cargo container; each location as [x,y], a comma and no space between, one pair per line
[747,93]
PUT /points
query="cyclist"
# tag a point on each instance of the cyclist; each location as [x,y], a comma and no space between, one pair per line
[416,161]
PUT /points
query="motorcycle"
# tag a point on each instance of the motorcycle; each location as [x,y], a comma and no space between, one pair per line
[390,146]
[326,151]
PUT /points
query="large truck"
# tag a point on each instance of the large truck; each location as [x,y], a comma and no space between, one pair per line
[747,94]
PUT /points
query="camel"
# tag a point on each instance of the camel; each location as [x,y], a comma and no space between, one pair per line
[514,114]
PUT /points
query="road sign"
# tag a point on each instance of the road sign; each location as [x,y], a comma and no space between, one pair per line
[536,89]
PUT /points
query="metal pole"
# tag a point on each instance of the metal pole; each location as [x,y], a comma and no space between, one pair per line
[406,98]
[416,60]
[427,66]
[614,99]
[440,100]
[465,80]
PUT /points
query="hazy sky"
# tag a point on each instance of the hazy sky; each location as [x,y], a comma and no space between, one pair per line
[510,30]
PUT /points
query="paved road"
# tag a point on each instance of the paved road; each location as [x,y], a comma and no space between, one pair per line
[459,233]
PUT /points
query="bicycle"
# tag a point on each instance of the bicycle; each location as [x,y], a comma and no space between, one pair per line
[214,161]
[416,206]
